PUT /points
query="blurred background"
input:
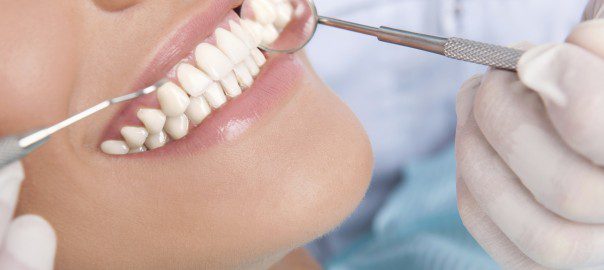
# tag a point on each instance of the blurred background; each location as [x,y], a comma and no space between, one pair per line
[406,101]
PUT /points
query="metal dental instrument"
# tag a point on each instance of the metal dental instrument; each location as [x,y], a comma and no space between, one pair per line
[15,147]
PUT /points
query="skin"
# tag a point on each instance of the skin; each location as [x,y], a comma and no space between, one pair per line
[241,204]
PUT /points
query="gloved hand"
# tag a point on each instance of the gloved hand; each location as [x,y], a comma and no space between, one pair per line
[28,242]
[530,153]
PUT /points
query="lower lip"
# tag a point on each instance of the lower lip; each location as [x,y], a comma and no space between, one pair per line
[271,89]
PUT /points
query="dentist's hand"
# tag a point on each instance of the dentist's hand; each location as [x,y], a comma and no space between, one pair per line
[530,153]
[27,242]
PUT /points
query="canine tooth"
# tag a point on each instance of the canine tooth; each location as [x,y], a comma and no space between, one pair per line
[284,14]
[252,66]
[215,96]
[134,136]
[155,141]
[258,57]
[243,34]
[255,29]
[243,75]
[173,100]
[264,11]
[198,110]
[213,61]
[193,80]
[231,45]
[230,85]
[270,34]
[137,150]
[177,127]
[153,119]
[115,147]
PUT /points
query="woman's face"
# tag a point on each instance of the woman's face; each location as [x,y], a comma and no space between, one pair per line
[272,169]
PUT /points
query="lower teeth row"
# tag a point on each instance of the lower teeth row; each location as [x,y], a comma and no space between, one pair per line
[221,71]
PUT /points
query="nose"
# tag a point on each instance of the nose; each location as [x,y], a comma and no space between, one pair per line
[115,5]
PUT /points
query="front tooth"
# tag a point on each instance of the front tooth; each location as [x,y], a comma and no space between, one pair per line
[270,34]
[251,66]
[115,147]
[198,110]
[213,61]
[155,141]
[231,45]
[173,100]
[255,29]
[177,126]
[258,57]
[230,84]
[215,96]
[193,80]
[264,11]
[135,136]
[153,119]
[137,150]
[242,34]
[284,14]
[243,75]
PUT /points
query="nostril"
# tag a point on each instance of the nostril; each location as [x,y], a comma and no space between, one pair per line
[115,5]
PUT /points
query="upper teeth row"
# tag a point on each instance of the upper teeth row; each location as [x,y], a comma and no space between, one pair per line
[228,67]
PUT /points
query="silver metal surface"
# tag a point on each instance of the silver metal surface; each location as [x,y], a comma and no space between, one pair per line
[423,42]
[482,53]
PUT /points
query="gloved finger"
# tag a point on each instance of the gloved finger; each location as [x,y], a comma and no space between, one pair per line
[568,78]
[11,178]
[465,99]
[488,235]
[594,10]
[30,245]
[589,35]
[514,122]
[545,238]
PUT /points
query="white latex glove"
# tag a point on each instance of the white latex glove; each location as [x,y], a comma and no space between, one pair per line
[28,242]
[530,153]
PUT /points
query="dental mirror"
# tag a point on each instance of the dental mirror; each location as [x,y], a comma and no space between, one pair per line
[286,26]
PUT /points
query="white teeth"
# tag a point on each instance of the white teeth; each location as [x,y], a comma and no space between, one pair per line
[135,136]
[198,110]
[242,34]
[115,147]
[252,66]
[177,126]
[230,84]
[138,150]
[270,34]
[193,80]
[153,119]
[284,14]
[231,45]
[258,57]
[173,100]
[264,11]
[243,75]
[215,96]
[213,61]
[155,141]
[255,29]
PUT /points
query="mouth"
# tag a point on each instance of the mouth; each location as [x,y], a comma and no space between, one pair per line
[219,83]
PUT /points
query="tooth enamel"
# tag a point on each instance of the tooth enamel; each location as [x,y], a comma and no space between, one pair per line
[284,14]
[177,127]
[213,61]
[264,11]
[215,96]
[230,85]
[173,100]
[270,34]
[258,57]
[242,34]
[193,80]
[243,75]
[198,110]
[255,29]
[115,147]
[252,66]
[135,136]
[153,119]
[155,141]
[231,45]
[137,150]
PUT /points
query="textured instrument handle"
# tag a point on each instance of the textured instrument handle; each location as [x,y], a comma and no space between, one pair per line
[10,151]
[482,53]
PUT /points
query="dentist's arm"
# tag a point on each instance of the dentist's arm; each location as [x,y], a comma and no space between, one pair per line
[27,242]
[530,153]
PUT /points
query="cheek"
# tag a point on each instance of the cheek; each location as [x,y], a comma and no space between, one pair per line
[38,63]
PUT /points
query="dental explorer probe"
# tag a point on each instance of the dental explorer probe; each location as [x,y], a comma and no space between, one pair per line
[15,147]
[456,48]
